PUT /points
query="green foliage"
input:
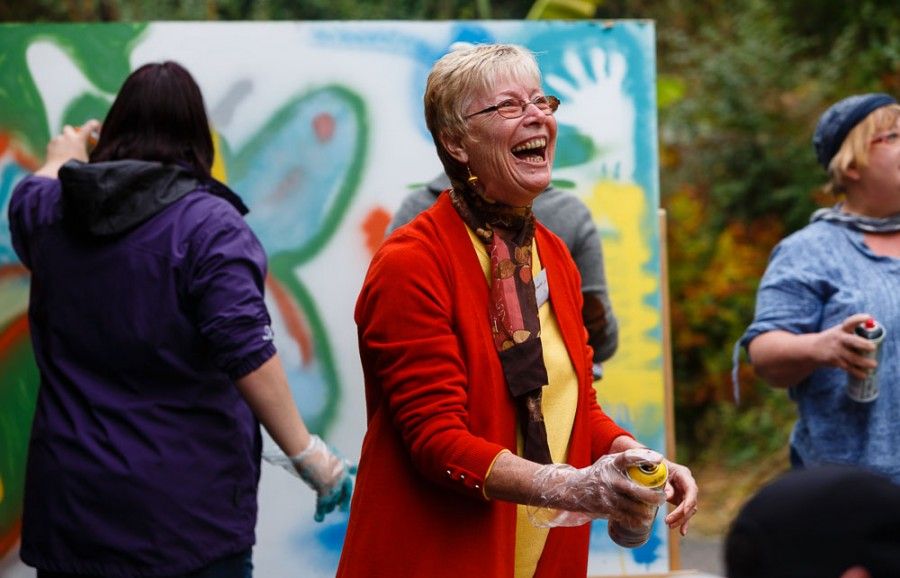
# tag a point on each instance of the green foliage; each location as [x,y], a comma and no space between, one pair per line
[563,9]
[735,436]
[670,90]
[856,42]
[744,125]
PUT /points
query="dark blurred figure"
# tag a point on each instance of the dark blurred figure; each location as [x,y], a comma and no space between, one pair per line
[821,522]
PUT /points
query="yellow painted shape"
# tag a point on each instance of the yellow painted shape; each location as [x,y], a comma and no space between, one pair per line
[634,375]
[218,167]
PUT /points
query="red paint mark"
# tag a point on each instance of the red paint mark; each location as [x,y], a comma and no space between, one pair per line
[17,329]
[12,270]
[25,160]
[12,333]
[293,319]
[374,227]
[10,538]
[323,125]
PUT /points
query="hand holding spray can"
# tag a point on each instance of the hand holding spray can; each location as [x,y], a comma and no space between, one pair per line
[866,390]
[650,475]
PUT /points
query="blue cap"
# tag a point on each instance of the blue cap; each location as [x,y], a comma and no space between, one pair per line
[840,119]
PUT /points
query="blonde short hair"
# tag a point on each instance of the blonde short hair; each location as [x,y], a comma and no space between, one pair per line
[854,151]
[457,78]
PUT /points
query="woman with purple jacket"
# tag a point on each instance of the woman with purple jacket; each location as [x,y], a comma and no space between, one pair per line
[154,348]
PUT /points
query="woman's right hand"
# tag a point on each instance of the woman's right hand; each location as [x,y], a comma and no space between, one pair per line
[840,347]
[601,490]
[71,144]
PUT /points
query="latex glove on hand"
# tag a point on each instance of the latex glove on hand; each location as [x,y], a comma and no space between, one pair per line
[324,472]
[563,495]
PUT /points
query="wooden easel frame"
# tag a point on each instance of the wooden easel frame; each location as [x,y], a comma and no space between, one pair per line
[668,373]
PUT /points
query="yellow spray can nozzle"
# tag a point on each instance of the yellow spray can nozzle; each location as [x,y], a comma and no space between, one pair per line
[649,474]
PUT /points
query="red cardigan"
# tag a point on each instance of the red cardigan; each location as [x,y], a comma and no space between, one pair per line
[439,411]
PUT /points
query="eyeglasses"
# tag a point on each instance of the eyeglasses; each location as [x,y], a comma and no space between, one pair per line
[890,138]
[514,107]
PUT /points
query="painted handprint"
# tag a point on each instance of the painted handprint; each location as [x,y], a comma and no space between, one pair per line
[422,52]
[594,97]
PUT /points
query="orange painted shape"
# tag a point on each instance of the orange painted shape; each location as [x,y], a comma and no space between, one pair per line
[9,539]
[374,227]
[293,318]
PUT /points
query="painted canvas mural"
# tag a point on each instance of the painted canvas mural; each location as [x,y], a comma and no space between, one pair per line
[319,127]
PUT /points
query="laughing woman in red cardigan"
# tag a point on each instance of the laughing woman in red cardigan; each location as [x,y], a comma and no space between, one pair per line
[478,384]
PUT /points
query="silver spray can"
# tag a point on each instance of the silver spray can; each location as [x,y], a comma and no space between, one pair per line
[866,390]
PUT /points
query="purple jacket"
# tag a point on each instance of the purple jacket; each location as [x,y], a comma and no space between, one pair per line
[146,302]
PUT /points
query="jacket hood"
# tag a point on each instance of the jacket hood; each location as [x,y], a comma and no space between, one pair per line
[109,198]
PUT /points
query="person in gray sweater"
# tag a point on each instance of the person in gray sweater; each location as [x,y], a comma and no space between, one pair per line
[571,221]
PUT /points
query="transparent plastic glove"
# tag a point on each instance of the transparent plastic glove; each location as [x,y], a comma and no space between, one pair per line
[566,496]
[323,471]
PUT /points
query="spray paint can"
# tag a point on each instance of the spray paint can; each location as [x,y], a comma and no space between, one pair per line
[866,390]
[650,475]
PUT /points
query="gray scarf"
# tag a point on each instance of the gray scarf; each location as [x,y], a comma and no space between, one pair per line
[835,214]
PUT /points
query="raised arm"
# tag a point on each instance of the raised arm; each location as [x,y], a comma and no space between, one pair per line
[71,144]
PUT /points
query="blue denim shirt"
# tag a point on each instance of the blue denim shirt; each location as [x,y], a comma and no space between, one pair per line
[144,457]
[815,279]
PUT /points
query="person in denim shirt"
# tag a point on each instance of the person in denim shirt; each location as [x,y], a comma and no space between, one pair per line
[824,280]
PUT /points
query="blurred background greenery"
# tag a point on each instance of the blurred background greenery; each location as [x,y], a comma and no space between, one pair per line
[740,86]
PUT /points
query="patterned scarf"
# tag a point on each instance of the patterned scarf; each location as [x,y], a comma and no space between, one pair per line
[507,233]
[836,214]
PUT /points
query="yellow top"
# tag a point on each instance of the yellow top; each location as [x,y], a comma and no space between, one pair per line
[559,402]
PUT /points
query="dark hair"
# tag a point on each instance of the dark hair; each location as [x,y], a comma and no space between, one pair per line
[158,115]
[817,521]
